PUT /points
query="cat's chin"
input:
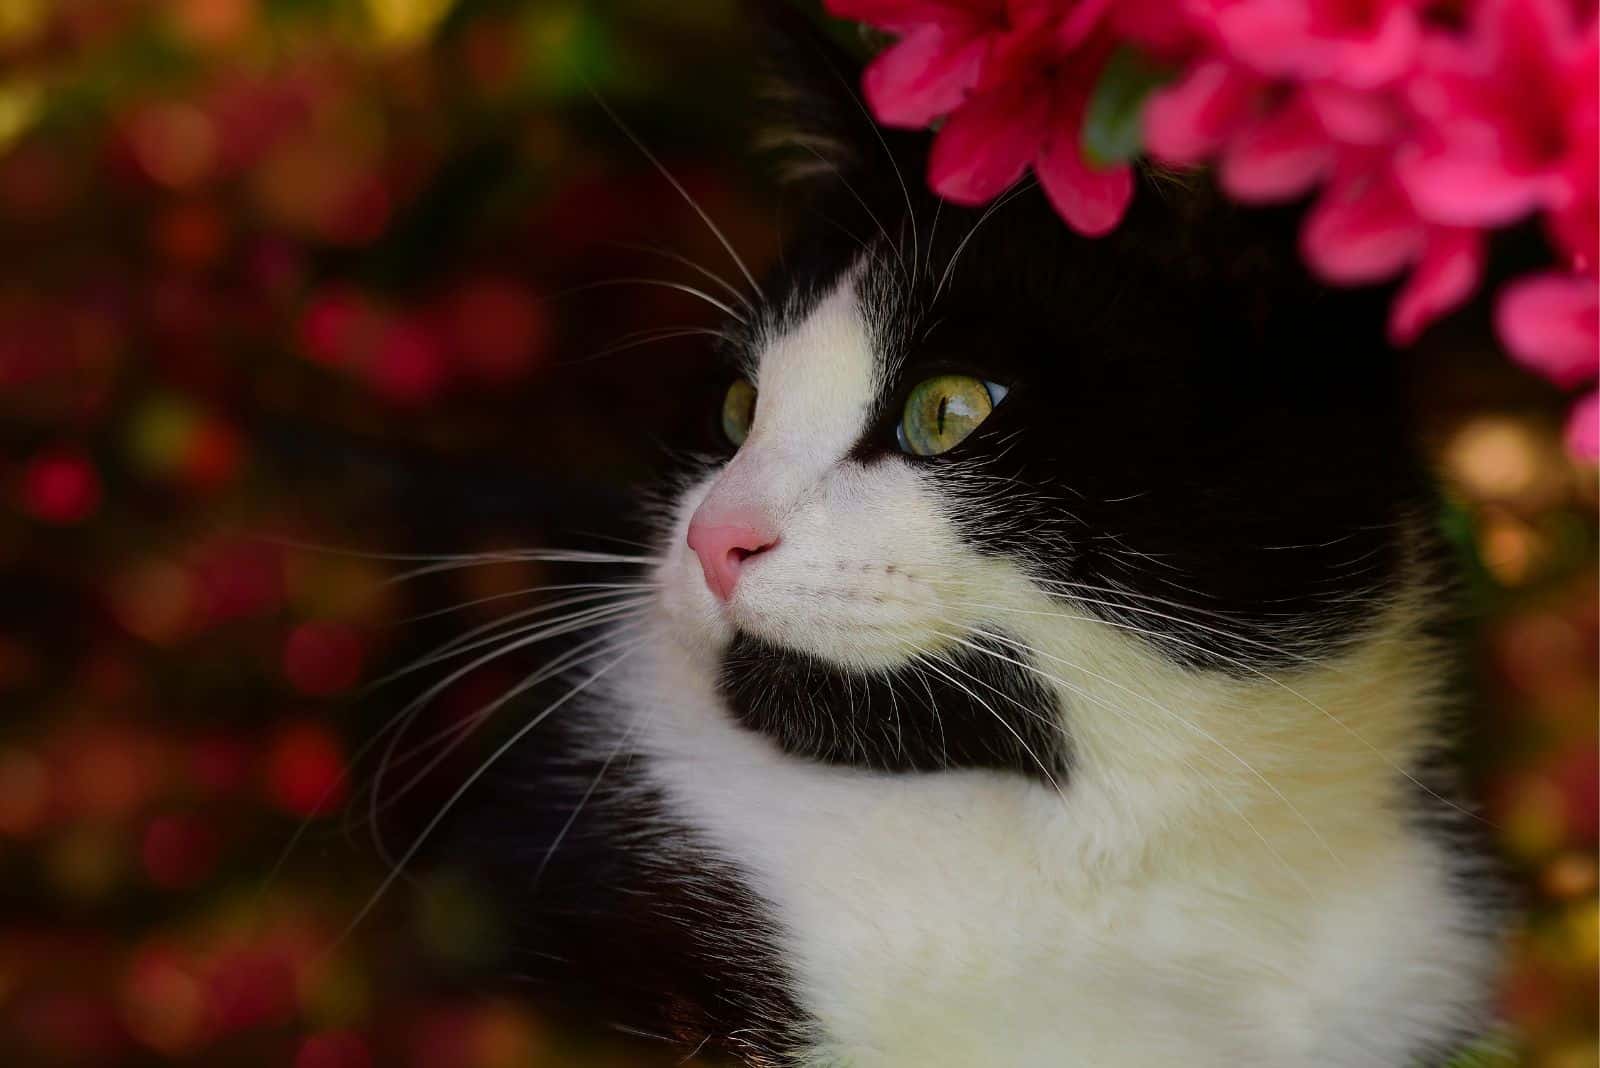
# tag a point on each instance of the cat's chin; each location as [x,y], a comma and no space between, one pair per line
[961,708]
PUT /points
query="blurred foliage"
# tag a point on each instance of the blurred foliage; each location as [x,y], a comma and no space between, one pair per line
[338,271]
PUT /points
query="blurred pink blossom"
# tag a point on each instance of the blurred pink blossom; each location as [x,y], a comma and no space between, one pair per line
[1013,78]
[1359,43]
[941,52]
[1506,115]
[1029,111]
[1551,324]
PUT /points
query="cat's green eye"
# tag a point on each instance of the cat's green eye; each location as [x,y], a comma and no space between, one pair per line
[738,409]
[942,411]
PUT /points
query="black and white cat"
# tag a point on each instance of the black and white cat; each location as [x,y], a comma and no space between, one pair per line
[1041,677]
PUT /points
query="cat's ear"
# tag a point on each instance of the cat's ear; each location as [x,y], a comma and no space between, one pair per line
[814,122]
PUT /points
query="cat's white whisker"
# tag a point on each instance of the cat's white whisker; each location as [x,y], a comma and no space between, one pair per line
[392,727]
[1025,186]
[716,231]
[449,804]
[502,556]
[490,556]
[705,272]
[525,591]
[844,183]
[612,602]
[458,734]
[662,283]
[639,339]
[930,660]
[398,724]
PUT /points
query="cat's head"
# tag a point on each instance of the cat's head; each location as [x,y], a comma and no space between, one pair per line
[957,437]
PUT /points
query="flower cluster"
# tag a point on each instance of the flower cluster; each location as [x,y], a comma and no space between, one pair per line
[1418,126]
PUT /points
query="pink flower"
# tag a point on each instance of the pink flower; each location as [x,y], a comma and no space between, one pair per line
[1277,154]
[1445,275]
[1028,110]
[1359,43]
[941,52]
[1283,79]
[1551,324]
[1274,141]
[1354,116]
[1364,230]
[1574,223]
[1193,117]
[1506,116]
[1160,28]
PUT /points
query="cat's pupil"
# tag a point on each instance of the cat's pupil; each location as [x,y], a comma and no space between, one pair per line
[944,404]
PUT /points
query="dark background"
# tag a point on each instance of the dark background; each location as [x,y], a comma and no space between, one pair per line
[277,274]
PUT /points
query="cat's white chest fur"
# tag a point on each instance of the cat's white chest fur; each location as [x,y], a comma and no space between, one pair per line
[979,918]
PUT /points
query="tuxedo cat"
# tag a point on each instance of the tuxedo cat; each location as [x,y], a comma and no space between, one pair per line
[1041,673]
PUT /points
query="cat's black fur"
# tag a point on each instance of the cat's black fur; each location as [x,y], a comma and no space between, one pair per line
[614,915]
[965,710]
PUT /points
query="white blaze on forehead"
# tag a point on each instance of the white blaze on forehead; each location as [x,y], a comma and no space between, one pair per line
[815,388]
[816,381]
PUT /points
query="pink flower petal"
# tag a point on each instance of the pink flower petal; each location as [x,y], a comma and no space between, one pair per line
[1381,57]
[926,74]
[1450,269]
[1583,428]
[1352,116]
[1156,26]
[1188,120]
[1511,33]
[1026,15]
[1267,37]
[1361,230]
[1575,223]
[1278,156]
[1363,45]
[1576,230]
[1551,323]
[1496,138]
[987,143]
[1468,189]
[1091,200]
[1080,21]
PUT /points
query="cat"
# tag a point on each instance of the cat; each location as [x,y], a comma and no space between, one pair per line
[1043,673]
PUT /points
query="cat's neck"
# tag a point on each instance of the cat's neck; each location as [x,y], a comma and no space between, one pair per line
[1295,767]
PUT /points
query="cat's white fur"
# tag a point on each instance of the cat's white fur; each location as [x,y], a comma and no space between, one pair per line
[1230,877]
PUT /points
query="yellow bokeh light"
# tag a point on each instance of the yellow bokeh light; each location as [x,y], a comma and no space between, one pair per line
[402,23]
[20,105]
[21,20]
[1498,459]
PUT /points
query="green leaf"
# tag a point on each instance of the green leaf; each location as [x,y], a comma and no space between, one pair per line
[1113,125]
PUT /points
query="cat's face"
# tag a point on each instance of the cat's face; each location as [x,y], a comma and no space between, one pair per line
[972,433]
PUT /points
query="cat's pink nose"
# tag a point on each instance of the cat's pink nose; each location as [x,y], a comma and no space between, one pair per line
[723,544]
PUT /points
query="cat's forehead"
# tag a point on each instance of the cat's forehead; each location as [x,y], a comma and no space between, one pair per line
[819,368]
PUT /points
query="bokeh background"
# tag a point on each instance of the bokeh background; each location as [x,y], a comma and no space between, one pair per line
[277,274]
